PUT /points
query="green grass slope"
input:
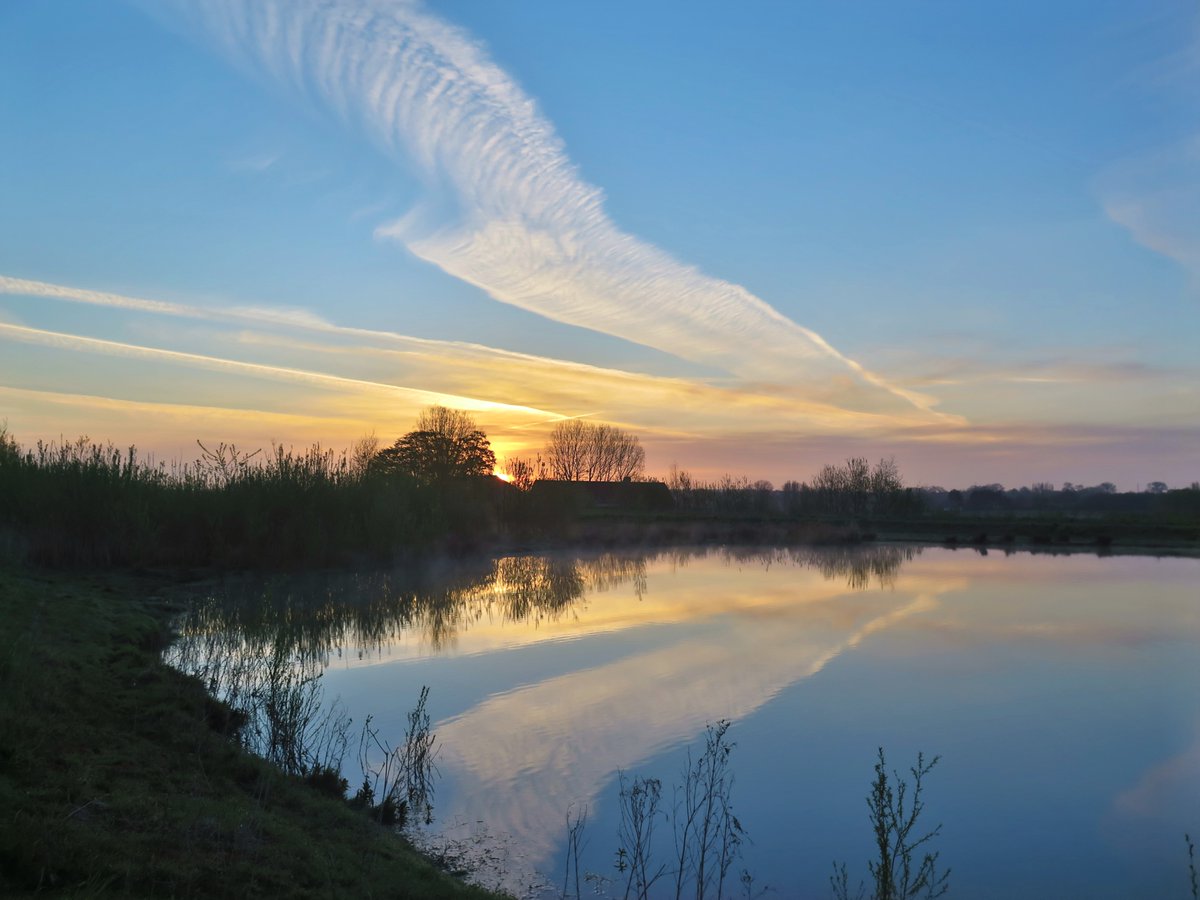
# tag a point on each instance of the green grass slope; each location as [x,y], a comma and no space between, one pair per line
[116,778]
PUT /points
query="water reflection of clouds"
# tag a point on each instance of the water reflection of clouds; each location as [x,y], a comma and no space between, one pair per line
[669,641]
[1170,789]
[521,758]
[1147,818]
[1074,601]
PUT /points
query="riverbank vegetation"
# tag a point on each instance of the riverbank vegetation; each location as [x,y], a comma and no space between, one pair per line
[86,504]
[118,774]
[83,504]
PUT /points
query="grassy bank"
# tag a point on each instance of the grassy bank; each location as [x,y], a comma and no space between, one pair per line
[116,777]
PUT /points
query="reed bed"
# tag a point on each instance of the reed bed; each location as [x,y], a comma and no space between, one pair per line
[82,503]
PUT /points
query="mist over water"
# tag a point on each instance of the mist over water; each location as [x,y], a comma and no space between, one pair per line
[1059,691]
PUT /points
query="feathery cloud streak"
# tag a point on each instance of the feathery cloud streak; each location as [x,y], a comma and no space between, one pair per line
[612,723]
[262,360]
[1156,199]
[530,232]
[62,340]
[473,372]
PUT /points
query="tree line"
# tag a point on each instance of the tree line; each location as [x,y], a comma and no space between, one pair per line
[854,489]
[1043,499]
[86,503]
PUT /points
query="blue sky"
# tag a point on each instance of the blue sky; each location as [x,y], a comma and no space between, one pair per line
[761,237]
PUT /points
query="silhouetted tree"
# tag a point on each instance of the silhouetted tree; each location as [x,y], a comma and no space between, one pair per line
[586,451]
[363,452]
[987,498]
[856,489]
[445,445]
[521,472]
[793,494]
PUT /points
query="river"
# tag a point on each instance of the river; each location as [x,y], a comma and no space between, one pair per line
[1060,693]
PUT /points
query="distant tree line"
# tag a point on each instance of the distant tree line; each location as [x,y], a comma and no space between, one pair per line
[853,489]
[85,503]
[857,489]
[727,495]
[1042,498]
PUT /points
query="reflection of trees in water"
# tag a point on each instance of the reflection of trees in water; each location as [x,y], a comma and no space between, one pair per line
[322,615]
[859,565]
[317,616]
[611,571]
[533,588]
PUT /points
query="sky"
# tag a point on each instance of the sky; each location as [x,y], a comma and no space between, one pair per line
[762,237]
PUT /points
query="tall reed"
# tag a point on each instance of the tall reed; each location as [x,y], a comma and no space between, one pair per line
[83,503]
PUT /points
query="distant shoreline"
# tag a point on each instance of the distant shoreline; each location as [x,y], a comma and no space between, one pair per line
[1053,535]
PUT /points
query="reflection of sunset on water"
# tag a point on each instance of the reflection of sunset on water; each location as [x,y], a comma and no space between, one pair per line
[549,673]
[523,756]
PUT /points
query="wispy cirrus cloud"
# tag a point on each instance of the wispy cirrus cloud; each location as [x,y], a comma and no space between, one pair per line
[468,374]
[528,229]
[172,426]
[305,379]
[62,340]
[1045,370]
[1156,198]
[1155,194]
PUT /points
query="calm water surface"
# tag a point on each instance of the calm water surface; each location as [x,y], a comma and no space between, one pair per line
[1060,691]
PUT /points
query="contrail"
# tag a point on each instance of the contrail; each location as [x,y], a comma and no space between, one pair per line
[567,388]
[528,230]
[61,340]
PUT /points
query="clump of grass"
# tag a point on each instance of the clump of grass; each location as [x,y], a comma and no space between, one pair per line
[905,865]
[577,817]
[639,802]
[399,781]
[707,837]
